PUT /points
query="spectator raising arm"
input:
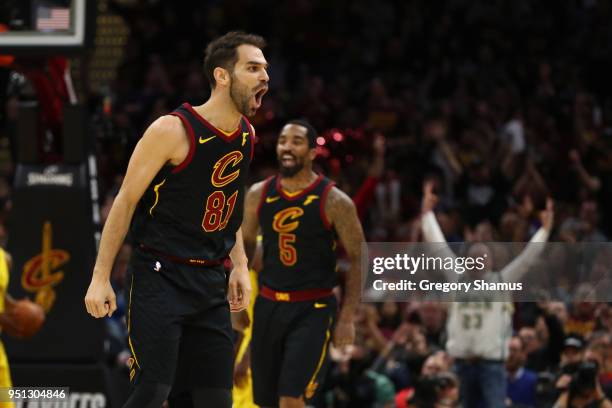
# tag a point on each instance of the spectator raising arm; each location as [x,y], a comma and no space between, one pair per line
[431,229]
[520,265]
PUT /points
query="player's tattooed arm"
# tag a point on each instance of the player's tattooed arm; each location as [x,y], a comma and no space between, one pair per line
[342,214]
[250,221]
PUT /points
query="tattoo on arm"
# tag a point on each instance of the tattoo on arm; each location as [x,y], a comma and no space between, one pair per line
[342,214]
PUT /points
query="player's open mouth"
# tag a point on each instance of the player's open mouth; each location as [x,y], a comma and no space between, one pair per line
[288,160]
[259,96]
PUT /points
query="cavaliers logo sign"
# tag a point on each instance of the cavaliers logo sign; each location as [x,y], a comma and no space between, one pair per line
[43,272]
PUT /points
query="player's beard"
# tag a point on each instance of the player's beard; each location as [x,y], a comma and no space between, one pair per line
[241,96]
[292,170]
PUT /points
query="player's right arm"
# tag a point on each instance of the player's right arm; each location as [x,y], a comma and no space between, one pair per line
[164,141]
[250,227]
[250,221]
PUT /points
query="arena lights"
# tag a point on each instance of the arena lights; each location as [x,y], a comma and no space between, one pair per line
[323,152]
[338,137]
[320,141]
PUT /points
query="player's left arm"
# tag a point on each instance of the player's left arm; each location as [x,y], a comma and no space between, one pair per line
[342,214]
[239,286]
[250,220]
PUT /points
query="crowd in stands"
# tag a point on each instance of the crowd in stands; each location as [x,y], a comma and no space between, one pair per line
[500,104]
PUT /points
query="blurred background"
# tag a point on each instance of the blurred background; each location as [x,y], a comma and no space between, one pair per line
[500,103]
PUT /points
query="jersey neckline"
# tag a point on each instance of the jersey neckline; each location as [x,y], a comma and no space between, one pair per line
[222,134]
[300,194]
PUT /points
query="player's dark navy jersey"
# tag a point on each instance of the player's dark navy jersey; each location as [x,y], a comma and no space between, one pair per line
[193,210]
[298,240]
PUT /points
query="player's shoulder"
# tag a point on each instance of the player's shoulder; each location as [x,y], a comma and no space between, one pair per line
[258,187]
[338,198]
[256,190]
[166,132]
[338,205]
[168,125]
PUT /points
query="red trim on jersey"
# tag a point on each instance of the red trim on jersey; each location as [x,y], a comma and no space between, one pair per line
[212,127]
[252,135]
[301,193]
[189,130]
[264,192]
[184,261]
[322,205]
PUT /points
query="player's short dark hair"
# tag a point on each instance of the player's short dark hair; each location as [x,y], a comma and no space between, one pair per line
[311,132]
[221,52]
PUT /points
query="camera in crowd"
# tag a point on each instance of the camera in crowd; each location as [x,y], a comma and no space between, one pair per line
[584,379]
[434,390]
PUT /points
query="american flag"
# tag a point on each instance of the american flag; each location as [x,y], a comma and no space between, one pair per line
[53,18]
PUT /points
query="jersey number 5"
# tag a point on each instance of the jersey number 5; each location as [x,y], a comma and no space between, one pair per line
[288,253]
[214,217]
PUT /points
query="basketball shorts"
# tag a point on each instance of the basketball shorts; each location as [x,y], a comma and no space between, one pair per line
[179,327]
[289,348]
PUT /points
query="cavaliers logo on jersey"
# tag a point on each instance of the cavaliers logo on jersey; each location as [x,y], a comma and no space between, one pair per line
[221,175]
[287,219]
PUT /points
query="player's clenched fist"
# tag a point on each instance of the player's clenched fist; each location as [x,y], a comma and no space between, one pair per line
[100,299]
[344,334]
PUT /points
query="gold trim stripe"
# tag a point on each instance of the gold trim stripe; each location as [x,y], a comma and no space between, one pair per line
[129,323]
[322,358]
[290,194]
[156,190]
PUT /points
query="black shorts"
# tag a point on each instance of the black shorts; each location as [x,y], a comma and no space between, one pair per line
[289,348]
[179,325]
